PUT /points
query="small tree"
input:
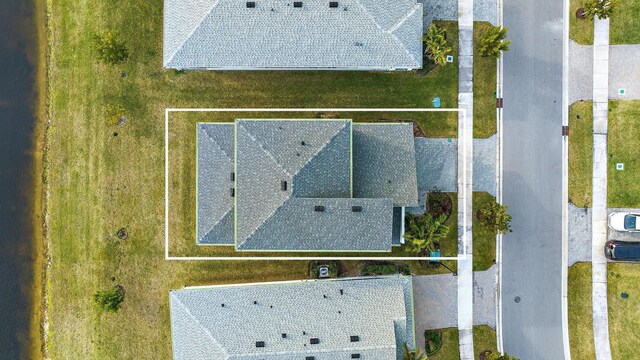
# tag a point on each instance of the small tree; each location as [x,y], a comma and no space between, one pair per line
[493,42]
[109,300]
[495,216]
[416,354]
[494,355]
[424,231]
[436,46]
[600,8]
[110,47]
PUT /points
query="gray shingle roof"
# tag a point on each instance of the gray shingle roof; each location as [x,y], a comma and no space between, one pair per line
[215,165]
[359,34]
[314,158]
[384,162]
[377,310]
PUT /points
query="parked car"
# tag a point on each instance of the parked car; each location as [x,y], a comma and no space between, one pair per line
[624,221]
[622,250]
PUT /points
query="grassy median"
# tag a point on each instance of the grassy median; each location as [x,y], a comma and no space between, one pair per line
[624,313]
[580,153]
[625,23]
[624,147]
[580,311]
[104,177]
[580,30]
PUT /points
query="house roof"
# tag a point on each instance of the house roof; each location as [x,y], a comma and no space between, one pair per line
[285,169]
[379,311]
[388,151]
[358,34]
[215,166]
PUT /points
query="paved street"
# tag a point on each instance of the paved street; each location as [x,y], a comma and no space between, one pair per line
[532,254]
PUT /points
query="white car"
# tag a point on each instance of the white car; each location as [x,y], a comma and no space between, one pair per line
[624,221]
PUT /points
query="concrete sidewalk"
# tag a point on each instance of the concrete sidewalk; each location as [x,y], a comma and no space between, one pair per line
[465,178]
[599,211]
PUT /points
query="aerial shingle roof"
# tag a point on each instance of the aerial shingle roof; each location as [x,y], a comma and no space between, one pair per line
[293,188]
[228,322]
[227,34]
[214,184]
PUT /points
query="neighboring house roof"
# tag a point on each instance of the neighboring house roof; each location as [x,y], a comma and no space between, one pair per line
[386,150]
[284,169]
[227,322]
[215,183]
[227,34]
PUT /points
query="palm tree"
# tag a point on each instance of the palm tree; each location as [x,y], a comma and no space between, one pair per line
[424,231]
[600,8]
[436,48]
[413,354]
[493,42]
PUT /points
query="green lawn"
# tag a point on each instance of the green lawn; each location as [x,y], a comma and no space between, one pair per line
[624,314]
[580,153]
[624,147]
[103,177]
[484,88]
[484,239]
[625,23]
[484,338]
[580,30]
[580,310]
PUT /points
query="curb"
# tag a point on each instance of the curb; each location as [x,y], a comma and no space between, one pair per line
[499,158]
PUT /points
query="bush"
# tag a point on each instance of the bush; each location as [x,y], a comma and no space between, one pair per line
[439,203]
[436,46]
[110,47]
[495,216]
[600,8]
[109,300]
[493,42]
[432,341]
[369,269]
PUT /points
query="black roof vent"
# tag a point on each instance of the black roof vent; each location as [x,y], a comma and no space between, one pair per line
[251,4]
[355,338]
[233,176]
[355,356]
[356,208]
[341,292]
[284,335]
[318,208]
[310,358]
[259,344]
[297,4]
[222,305]
[255,302]
[314,341]
[333,4]
[232,192]
[283,185]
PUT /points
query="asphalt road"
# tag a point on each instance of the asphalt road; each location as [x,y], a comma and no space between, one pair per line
[532,181]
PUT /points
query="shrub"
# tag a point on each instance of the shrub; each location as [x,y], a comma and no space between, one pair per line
[384,269]
[436,46]
[109,300]
[493,42]
[433,341]
[110,47]
[495,216]
[600,8]
[425,231]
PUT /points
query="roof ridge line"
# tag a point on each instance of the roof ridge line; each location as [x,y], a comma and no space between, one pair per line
[215,3]
[320,149]
[206,331]
[281,167]
[217,145]
[399,24]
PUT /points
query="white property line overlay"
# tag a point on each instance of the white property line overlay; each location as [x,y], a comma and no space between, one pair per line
[167,111]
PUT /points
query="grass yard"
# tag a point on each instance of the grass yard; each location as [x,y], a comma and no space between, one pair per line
[624,314]
[624,147]
[580,30]
[484,87]
[103,177]
[625,23]
[580,153]
[484,239]
[484,338]
[580,311]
